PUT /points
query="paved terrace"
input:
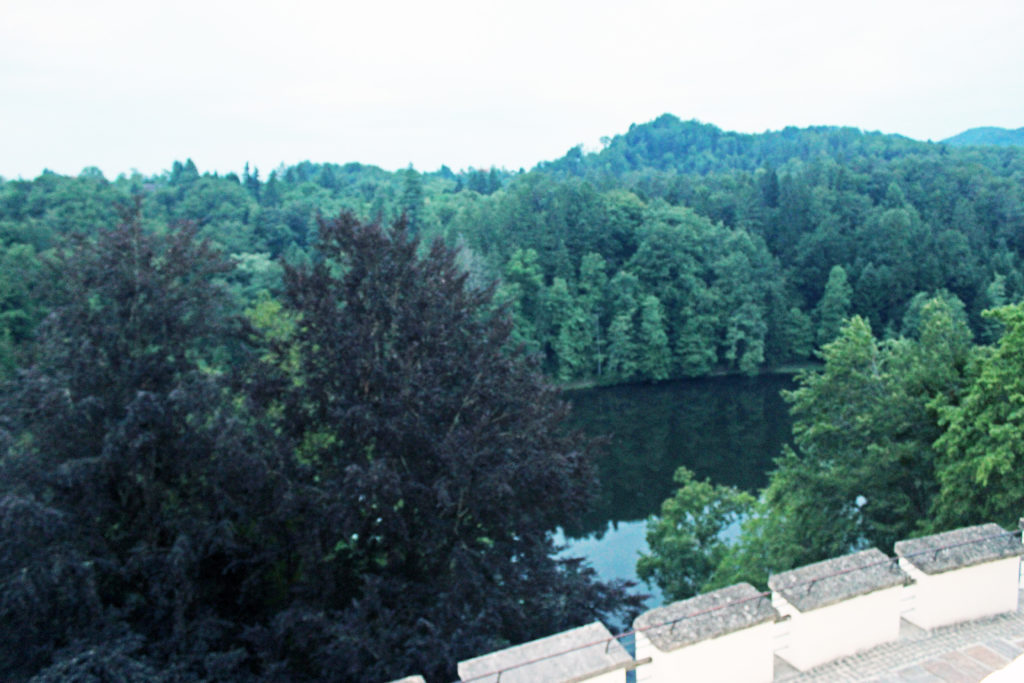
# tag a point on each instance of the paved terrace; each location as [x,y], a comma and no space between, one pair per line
[960,653]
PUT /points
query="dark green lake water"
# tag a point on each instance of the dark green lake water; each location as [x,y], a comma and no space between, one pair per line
[727,429]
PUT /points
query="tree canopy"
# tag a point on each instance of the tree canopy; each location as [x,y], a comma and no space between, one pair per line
[983,442]
[738,236]
[169,460]
[437,456]
[359,483]
[124,478]
[866,467]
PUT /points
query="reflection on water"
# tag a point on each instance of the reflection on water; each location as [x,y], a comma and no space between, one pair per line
[614,552]
[727,429]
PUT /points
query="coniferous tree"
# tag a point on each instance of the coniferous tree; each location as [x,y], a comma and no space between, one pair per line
[572,340]
[411,201]
[593,283]
[271,194]
[834,306]
[623,349]
[252,181]
[655,358]
[982,446]
[862,470]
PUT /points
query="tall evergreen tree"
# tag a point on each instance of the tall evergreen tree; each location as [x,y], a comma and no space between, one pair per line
[834,306]
[623,349]
[593,285]
[983,444]
[572,341]
[655,357]
[411,201]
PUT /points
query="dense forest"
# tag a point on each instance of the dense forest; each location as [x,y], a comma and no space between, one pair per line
[988,135]
[248,431]
[677,250]
[893,438]
[352,481]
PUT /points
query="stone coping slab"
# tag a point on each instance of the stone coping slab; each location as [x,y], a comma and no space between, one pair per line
[841,578]
[574,655]
[959,548]
[705,616]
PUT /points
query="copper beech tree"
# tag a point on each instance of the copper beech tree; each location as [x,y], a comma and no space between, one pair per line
[359,486]
[436,458]
[130,491]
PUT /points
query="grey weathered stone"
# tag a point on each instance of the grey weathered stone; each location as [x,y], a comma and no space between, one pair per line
[574,655]
[959,548]
[705,616]
[841,578]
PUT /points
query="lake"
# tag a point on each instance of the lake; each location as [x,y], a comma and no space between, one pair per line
[726,429]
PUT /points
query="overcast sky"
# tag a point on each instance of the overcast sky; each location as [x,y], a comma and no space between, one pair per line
[135,85]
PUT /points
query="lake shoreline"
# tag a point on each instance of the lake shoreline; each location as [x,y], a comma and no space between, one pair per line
[787,369]
[725,428]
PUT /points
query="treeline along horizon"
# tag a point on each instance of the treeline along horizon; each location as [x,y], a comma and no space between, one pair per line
[677,250]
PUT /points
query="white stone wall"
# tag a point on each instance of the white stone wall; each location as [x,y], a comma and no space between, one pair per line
[617,676]
[962,594]
[827,633]
[737,657]
[811,638]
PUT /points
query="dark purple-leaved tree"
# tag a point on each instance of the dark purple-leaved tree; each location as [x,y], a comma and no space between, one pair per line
[437,460]
[131,494]
[360,487]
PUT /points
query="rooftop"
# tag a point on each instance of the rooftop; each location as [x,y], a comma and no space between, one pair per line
[824,583]
[574,655]
[705,616]
[959,548]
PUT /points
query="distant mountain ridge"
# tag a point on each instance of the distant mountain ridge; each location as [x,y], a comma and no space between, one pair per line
[988,135]
[670,144]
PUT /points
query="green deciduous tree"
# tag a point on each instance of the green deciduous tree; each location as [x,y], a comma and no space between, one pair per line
[686,538]
[863,470]
[744,339]
[523,287]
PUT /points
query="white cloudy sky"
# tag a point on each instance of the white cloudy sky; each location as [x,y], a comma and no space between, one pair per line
[135,85]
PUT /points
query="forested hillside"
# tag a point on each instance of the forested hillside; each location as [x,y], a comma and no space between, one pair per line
[249,432]
[677,250]
[987,136]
